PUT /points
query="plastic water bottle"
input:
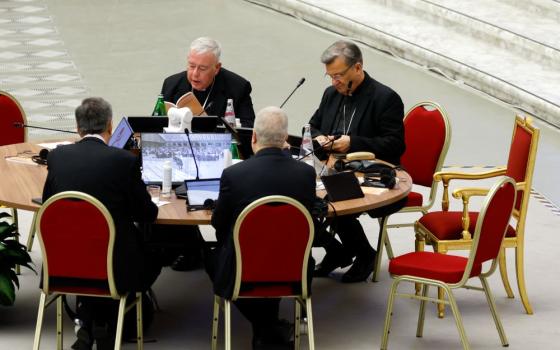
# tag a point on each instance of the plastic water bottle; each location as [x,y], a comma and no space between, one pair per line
[306,149]
[234,150]
[230,113]
[159,108]
[167,176]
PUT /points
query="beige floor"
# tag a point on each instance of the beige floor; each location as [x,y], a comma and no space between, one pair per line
[124,49]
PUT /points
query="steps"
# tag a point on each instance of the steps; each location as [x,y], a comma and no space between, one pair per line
[507,49]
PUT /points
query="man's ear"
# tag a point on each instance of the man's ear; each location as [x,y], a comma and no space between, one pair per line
[254,138]
[218,66]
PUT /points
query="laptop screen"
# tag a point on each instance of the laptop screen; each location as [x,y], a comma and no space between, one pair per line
[208,149]
[198,191]
[122,133]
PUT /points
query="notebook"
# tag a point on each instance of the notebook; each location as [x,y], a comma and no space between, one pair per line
[199,191]
[157,148]
[342,186]
[121,135]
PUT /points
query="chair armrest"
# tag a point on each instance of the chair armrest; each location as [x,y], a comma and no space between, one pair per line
[465,194]
[447,176]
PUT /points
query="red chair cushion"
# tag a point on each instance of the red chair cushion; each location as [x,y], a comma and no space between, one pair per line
[447,225]
[414,199]
[10,113]
[441,267]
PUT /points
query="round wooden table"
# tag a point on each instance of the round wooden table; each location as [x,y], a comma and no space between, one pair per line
[22,181]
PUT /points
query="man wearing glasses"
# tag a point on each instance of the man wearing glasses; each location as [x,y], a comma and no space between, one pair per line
[366,116]
[210,83]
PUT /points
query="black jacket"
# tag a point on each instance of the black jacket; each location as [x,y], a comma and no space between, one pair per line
[378,121]
[112,176]
[227,85]
[269,172]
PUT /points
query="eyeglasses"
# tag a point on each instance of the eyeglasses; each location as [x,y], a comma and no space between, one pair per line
[201,69]
[339,76]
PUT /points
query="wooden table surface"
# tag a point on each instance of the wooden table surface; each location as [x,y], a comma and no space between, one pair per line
[20,182]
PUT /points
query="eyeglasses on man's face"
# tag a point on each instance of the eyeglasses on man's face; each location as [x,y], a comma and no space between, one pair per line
[338,76]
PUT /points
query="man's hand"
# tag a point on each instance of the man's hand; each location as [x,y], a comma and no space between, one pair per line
[342,145]
[322,139]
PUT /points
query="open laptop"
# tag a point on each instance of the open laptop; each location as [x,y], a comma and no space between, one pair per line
[148,124]
[204,124]
[342,186]
[121,135]
[199,191]
[208,149]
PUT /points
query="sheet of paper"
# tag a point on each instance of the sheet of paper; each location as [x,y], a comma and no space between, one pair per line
[53,145]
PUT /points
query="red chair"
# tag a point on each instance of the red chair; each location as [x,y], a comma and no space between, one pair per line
[451,230]
[449,272]
[277,229]
[10,113]
[427,134]
[77,236]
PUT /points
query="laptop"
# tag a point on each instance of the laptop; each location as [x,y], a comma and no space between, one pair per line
[121,135]
[148,124]
[342,186]
[199,191]
[204,124]
[208,149]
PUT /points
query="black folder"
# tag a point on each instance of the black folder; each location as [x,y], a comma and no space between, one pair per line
[342,186]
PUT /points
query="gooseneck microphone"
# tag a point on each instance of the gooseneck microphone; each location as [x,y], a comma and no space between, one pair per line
[187,132]
[300,83]
[19,125]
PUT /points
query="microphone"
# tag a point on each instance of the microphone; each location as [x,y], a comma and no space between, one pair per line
[192,151]
[336,137]
[300,83]
[20,125]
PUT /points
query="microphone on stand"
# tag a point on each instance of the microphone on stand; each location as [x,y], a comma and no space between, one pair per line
[300,83]
[20,125]
[192,152]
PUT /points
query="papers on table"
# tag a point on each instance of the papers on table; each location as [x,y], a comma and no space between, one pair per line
[53,145]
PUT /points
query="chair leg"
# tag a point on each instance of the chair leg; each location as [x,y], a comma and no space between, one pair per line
[503,272]
[227,323]
[215,322]
[59,329]
[32,230]
[389,314]
[492,305]
[440,306]
[310,333]
[380,243]
[120,322]
[139,323]
[297,324]
[15,221]
[153,296]
[422,312]
[39,325]
[520,271]
[419,245]
[457,316]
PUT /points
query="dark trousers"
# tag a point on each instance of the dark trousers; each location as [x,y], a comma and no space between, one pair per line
[352,235]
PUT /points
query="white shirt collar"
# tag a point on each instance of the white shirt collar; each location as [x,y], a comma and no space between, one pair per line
[97,136]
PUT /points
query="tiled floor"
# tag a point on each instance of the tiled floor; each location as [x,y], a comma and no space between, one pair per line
[122,50]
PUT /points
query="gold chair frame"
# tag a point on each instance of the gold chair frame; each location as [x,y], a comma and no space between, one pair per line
[424,236]
[447,288]
[423,209]
[48,297]
[299,300]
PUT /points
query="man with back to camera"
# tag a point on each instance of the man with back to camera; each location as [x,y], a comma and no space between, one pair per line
[368,116]
[112,176]
[213,86]
[210,83]
[269,172]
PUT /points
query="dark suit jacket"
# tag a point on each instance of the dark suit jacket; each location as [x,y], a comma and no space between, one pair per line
[227,85]
[112,176]
[269,172]
[378,122]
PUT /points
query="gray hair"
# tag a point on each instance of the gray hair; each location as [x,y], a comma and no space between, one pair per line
[206,44]
[271,127]
[342,48]
[93,116]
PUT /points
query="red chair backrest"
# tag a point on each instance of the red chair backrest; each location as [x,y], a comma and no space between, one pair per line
[495,217]
[425,134]
[10,112]
[76,237]
[519,153]
[273,240]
